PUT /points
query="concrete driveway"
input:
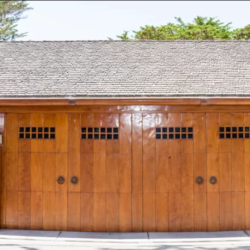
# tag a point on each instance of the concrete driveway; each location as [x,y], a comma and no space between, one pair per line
[47,240]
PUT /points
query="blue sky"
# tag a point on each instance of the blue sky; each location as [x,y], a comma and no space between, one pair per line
[75,20]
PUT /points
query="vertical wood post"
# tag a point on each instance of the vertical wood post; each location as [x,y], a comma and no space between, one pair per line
[1,169]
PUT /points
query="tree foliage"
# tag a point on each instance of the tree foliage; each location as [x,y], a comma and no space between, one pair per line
[202,28]
[11,12]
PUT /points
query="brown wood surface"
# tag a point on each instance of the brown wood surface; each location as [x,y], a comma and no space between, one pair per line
[87,223]
[36,210]
[136,183]
[125,101]
[49,120]
[74,211]
[126,109]
[36,121]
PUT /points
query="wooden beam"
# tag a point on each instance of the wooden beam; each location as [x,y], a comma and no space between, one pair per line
[127,102]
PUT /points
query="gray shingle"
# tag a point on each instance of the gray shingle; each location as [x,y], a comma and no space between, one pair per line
[124,69]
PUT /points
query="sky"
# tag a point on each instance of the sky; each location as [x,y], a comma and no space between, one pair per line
[93,20]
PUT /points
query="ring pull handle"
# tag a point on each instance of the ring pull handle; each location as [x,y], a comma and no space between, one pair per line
[213,180]
[74,180]
[60,180]
[199,180]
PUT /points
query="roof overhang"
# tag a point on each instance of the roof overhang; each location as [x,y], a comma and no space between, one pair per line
[236,101]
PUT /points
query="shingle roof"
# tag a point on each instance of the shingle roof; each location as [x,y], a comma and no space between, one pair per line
[124,69]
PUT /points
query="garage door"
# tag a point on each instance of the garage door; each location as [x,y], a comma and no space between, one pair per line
[127,172]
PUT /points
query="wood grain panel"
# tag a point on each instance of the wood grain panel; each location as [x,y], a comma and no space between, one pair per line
[125,134]
[3,170]
[238,202]
[49,120]
[112,146]
[136,133]
[112,212]
[162,173]
[148,212]
[74,214]
[200,211]
[36,210]
[3,209]
[87,120]
[61,133]
[99,212]
[99,172]
[141,168]
[24,172]
[125,212]
[225,161]
[174,120]
[12,133]
[138,104]
[209,107]
[212,132]
[200,169]
[175,212]
[161,207]
[136,178]
[187,170]
[74,169]
[247,210]
[174,164]
[87,165]
[238,121]
[74,133]
[161,169]
[213,169]
[149,173]
[24,220]
[247,171]
[148,134]
[213,211]
[187,207]
[12,210]
[36,121]
[62,170]
[161,120]
[238,171]
[247,124]
[100,145]
[87,206]
[61,211]
[36,168]
[225,145]
[136,212]
[112,173]
[49,172]
[226,212]
[12,171]
[187,120]
[124,173]
[199,125]
[24,144]
[136,153]
[49,211]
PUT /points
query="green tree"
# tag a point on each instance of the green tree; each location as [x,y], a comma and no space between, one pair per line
[11,12]
[242,34]
[202,28]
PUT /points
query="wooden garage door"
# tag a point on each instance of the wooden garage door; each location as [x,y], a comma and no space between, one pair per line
[136,172]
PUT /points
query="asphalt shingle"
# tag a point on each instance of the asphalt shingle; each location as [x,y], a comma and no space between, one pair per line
[124,69]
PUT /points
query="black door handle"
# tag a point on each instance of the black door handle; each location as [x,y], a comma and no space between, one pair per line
[213,180]
[199,180]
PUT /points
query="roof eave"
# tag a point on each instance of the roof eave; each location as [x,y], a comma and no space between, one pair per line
[125,101]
